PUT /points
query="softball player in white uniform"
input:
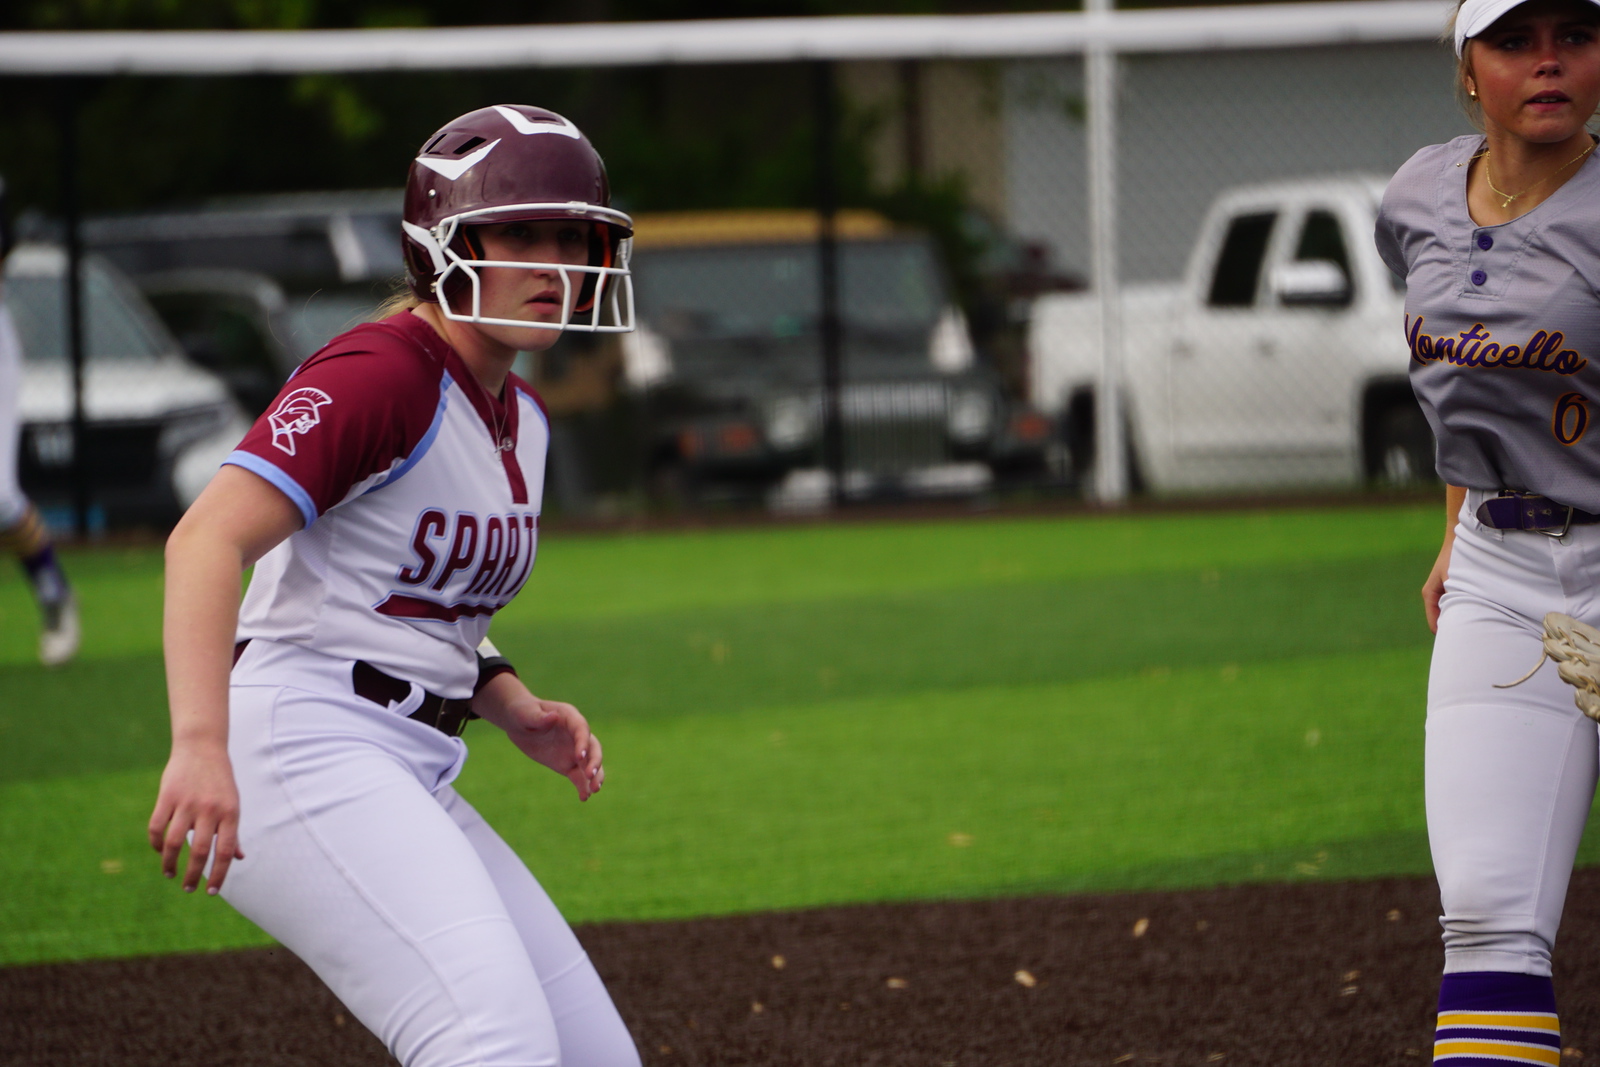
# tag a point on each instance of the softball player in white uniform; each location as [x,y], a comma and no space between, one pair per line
[1498,238]
[22,532]
[389,500]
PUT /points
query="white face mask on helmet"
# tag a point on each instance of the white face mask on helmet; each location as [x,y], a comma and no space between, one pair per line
[515,163]
[595,297]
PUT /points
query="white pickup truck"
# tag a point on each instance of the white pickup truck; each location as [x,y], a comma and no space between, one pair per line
[1278,360]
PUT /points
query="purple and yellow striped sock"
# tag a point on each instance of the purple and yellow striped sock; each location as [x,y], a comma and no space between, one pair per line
[1493,1018]
[29,540]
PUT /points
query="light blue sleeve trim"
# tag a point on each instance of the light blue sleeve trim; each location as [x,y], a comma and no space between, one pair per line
[427,438]
[538,409]
[287,485]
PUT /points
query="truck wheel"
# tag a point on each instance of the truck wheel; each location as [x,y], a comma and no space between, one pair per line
[1405,453]
[1077,436]
[1080,439]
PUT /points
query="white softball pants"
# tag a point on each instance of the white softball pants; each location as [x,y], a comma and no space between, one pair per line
[1510,772]
[364,862]
[13,505]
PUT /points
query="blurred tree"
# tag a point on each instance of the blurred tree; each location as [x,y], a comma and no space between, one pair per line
[674,138]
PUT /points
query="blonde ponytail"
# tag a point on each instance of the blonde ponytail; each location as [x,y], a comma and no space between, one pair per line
[402,299]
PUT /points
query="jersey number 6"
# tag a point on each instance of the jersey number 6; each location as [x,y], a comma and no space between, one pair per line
[1571,418]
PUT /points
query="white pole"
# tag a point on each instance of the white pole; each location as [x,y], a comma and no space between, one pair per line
[1100,74]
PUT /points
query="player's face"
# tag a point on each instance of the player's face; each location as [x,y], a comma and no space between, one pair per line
[530,295]
[1537,69]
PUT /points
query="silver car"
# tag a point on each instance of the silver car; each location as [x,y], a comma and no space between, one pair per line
[157,425]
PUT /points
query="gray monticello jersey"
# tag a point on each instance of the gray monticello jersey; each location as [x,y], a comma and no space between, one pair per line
[1503,324]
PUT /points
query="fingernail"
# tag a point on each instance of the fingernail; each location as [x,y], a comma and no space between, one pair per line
[211,890]
[188,889]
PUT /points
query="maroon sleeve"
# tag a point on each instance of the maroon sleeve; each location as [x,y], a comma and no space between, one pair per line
[352,411]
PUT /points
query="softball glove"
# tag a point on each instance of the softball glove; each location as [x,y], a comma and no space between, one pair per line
[1575,646]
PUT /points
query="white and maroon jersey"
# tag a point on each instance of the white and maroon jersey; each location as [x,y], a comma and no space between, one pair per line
[420,493]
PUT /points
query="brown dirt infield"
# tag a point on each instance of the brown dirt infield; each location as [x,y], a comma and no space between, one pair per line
[1332,973]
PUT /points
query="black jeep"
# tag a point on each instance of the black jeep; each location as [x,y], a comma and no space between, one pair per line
[728,359]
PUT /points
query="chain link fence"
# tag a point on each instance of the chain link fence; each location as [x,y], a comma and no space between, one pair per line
[1262,346]
[1262,339]
[1261,342]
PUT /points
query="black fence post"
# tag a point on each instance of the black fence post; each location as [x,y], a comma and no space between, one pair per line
[827,136]
[68,101]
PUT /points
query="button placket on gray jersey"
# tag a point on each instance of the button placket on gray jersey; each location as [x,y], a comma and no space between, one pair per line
[1496,264]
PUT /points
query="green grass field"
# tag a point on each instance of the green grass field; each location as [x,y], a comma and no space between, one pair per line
[806,716]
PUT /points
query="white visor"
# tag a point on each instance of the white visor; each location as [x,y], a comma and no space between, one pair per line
[1475,16]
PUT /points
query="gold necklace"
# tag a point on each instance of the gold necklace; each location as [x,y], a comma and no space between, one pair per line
[1505,197]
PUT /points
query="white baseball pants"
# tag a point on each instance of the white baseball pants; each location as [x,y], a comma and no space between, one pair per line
[1510,772]
[13,505]
[363,861]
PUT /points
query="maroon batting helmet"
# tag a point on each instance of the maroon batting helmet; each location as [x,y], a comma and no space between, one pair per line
[515,163]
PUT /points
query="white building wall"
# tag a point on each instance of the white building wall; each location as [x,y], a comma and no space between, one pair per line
[1190,125]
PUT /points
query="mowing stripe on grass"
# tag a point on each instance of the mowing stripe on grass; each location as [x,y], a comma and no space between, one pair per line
[1162,778]
[1112,783]
[741,658]
[591,577]
[588,577]
[1296,769]
[110,714]
[819,715]
[100,715]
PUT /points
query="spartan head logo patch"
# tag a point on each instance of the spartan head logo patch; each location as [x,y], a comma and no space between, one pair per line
[295,414]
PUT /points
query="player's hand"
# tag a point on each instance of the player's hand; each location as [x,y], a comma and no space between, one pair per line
[1433,588]
[557,735]
[198,796]
[547,731]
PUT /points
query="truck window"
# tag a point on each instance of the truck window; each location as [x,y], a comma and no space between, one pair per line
[1239,266]
[766,292]
[1322,238]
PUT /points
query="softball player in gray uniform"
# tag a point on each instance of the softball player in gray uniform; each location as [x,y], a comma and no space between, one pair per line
[389,501]
[1498,238]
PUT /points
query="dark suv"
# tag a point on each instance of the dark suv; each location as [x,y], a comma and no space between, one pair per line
[728,359]
[253,285]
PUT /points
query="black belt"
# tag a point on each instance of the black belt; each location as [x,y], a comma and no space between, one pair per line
[1529,511]
[443,714]
[368,682]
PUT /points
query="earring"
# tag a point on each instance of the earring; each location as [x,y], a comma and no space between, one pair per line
[1473,93]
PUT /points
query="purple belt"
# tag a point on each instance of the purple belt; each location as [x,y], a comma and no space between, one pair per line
[1528,511]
